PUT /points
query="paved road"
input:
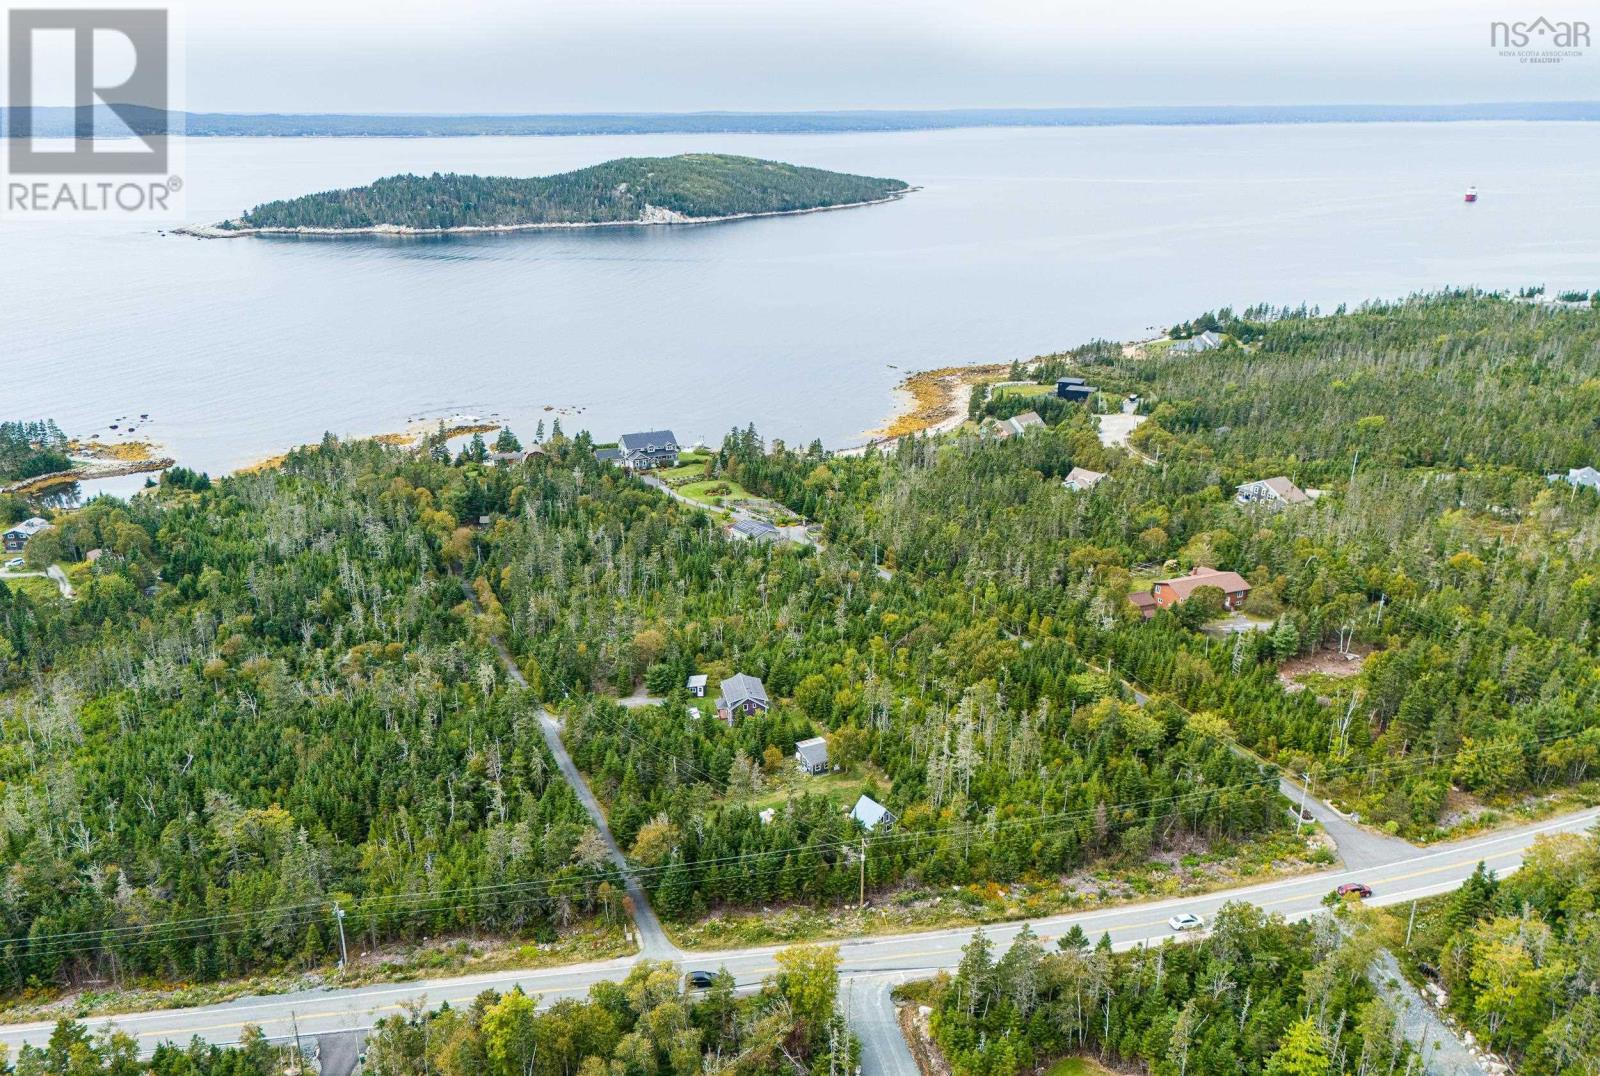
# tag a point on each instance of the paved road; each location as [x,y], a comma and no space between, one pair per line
[872,1015]
[1418,874]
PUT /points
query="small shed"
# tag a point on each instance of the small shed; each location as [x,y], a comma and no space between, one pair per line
[696,685]
[811,756]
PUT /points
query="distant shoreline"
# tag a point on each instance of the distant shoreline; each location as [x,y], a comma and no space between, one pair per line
[212,231]
[61,122]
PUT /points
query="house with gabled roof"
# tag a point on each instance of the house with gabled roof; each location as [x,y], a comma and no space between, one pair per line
[872,815]
[1006,428]
[1276,492]
[811,756]
[1081,479]
[1171,592]
[646,451]
[16,539]
[1195,344]
[1585,477]
[741,695]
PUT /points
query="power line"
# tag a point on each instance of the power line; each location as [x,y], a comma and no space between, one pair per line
[174,932]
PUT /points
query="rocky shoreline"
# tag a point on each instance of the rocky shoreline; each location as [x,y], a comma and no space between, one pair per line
[653,216]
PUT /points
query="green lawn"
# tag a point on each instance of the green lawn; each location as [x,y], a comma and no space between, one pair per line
[35,587]
[711,491]
[1000,391]
[1077,1066]
[843,788]
[691,465]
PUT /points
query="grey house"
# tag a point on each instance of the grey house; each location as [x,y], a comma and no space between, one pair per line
[872,815]
[811,756]
[1196,344]
[754,530]
[741,694]
[648,451]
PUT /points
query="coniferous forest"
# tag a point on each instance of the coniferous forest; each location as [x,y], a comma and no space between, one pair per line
[278,692]
[691,185]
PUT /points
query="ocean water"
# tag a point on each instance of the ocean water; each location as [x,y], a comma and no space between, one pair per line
[1019,242]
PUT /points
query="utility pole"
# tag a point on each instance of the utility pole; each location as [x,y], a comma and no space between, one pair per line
[1300,815]
[299,1057]
[1411,923]
[344,954]
[863,871]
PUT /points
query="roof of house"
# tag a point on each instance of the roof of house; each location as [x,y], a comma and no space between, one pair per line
[1143,600]
[516,457]
[1026,419]
[1202,342]
[870,813]
[697,681]
[29,527]
[1581,476]
[608,455]
[813,752]
[1083,478]
[651,442]
[1285,490]
[754,528]
[741,688]
[1069,381]
[1185,585]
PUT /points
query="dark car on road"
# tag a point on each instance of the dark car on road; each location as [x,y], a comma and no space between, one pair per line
[699,980]
[1355,889]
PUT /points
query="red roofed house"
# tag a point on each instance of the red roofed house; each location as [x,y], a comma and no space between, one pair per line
[1170,592]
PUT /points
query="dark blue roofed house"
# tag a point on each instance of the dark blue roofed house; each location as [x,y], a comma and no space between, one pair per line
[1074,390]
[741,695]
[643,451]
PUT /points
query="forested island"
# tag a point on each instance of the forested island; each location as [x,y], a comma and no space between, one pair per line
[688,188]
[273,693]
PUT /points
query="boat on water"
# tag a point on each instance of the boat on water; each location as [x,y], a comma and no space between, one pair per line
[1472,194]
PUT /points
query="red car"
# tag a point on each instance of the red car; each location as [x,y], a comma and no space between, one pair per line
[1354,889]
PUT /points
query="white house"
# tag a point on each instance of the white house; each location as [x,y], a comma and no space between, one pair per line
[1081,479]
[697,685]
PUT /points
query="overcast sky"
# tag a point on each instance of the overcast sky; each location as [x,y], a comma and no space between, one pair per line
[683,55]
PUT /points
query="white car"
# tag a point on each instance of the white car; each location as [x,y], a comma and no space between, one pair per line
[1186,921]
[14,562]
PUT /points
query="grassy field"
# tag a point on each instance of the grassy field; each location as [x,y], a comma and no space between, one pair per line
[37,588]
[843,788]
[1078,1066]
[1002,391]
